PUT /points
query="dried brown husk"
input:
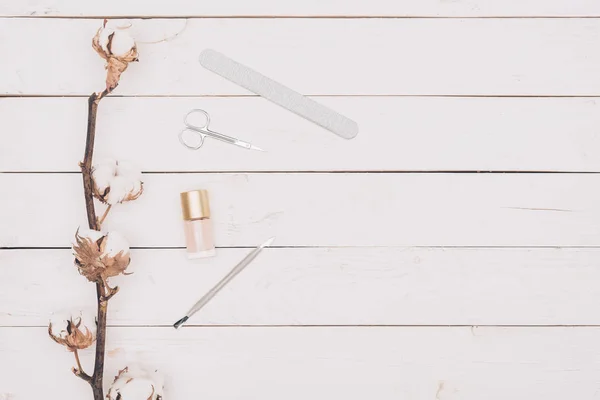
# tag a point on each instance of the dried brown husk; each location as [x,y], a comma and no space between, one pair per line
[88,257]
[114,264]
[102,195]
[133,196]
[125,371]
[94,264]
[74,338]
[115,65]
[114,68]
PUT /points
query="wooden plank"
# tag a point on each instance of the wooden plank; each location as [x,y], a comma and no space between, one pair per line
[300,363]
[430,8]
[322,209]
[397,134]
[315,56]
[344,286]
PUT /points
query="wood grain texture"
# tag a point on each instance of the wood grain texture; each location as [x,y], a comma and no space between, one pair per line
[543,57]
[300,363]
[432,8]
[342,308]
[322,209]
[344,286]
[397,134]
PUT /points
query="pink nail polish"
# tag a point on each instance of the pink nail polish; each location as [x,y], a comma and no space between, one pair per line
[197,224]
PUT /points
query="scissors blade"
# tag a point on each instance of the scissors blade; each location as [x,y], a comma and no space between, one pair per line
[231,140]
[247,145]
[215,289]
[252,147]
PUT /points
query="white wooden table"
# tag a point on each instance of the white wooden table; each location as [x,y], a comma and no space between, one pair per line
[450,251]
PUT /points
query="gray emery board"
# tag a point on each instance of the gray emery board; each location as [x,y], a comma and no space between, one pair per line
[277,93]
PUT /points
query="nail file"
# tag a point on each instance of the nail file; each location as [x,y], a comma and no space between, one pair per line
[278,94]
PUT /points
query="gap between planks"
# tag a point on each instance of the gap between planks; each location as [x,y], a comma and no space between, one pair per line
[10,248]
[467,96]
[394,326]
[195,16]
[326,172]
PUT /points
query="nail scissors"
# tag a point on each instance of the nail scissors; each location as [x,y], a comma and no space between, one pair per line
[202,131]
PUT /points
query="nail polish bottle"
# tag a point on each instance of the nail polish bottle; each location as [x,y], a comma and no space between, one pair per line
[197,224]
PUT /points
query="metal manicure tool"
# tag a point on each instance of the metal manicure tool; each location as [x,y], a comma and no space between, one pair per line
[212,292]
[202,131]
[277,93]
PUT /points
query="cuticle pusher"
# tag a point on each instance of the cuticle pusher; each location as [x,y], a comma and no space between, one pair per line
[215,289]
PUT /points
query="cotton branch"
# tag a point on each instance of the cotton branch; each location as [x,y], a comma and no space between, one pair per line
[97,378]
[98,256]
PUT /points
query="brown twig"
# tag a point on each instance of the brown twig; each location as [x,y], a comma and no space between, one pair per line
[96,380]
[78,361]
[109,292]
[79,370]
[101,220]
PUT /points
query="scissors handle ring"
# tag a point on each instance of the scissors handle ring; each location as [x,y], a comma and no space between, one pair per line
[183,142]
[205,126]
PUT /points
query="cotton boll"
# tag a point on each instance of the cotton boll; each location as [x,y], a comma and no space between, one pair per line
[58,320]
[135,190]
[103,37]
[103,173]
[114,255]
[87,317]
[129,170]
[90,234]
[115,243]
[137,389]
[107,162]
[134,383]
[121,44]
[86,250]
[74,330]
[136,187]
[117,182]
[119,188]
[98,260]
[118,49]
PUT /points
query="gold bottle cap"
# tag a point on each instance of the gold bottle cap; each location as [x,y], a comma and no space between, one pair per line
[194,205]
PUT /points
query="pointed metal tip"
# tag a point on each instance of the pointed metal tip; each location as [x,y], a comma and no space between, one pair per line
[182,321]
[268,242]
[253,147]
